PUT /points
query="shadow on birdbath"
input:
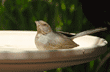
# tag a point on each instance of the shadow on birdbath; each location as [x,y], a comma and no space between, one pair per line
[19,53]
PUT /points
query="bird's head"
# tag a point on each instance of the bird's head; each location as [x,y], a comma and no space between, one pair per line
[43,27]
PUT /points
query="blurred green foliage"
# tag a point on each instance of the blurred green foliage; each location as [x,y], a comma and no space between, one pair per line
[60,14]
[65,15]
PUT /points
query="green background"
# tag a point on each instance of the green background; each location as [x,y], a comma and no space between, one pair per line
[62,15]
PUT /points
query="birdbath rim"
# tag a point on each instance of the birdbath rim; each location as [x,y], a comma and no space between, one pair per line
[18,46]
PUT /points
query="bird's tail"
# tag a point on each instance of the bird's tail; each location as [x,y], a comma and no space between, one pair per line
[89,32]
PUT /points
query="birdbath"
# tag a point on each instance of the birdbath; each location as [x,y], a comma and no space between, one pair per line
[19,53]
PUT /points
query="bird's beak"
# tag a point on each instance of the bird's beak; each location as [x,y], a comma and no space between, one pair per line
[37,23]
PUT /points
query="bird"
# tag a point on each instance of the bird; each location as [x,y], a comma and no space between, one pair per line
[47,39]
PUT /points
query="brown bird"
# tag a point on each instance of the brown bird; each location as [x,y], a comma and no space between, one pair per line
[47,39]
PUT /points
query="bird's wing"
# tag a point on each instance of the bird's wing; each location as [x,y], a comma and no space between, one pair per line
[66,33]
[61,41]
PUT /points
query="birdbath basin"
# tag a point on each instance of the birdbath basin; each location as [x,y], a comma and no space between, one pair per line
[19,53]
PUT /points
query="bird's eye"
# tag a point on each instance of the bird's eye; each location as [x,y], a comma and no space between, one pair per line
[44,24]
